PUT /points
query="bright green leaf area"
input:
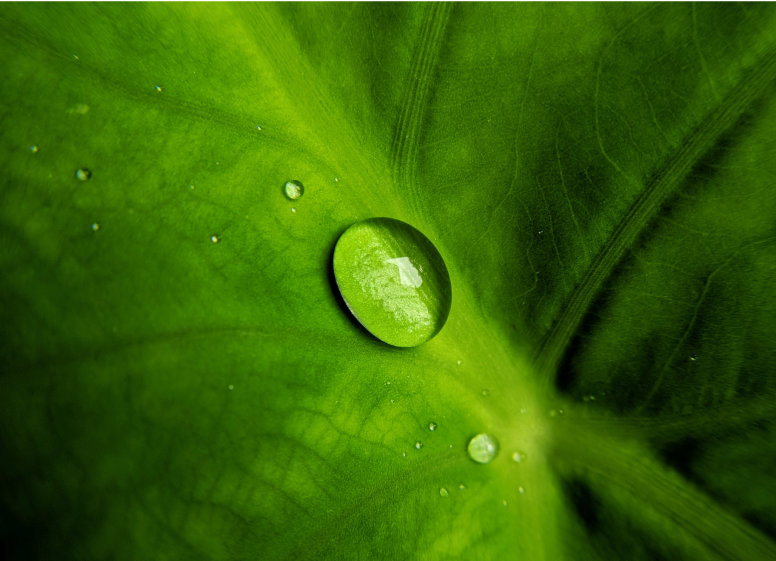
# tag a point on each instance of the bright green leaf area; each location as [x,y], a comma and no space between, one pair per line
[600,180]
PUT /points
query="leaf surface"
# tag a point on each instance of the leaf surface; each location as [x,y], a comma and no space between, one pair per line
[182,380]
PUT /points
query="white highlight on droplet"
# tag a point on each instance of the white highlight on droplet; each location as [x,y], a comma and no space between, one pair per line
[408,274]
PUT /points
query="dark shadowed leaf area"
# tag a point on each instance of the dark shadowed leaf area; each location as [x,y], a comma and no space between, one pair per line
[180,377]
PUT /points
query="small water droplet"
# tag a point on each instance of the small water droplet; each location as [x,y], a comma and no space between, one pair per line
[388,383]
[293,209]
[432,426]
[518,457]
[451,446]
[483,448]
[336,179]
[404,454]
[391,401]
[694,358]
[83,174]
[34,149]
[75,57]
[521,490]
[560,411]
[418,445]
[293,189]
[443,492]
[191,187]
[95,226]
[592,398]
[258,128]
[215,239]
[504,503]
[486,392]
[231,387]
[462,487]
[376,266]
[460,362]
[158,88]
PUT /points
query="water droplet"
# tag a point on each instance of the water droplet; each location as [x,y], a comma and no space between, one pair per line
[258,128]
[521,490]
[460,362]
[694,358]
[191,186]
[462,487]
[294,189]
[79,109]
[592,398]
[560,411]
[504,503]
[83,174]
[418,445]
[158,88]
[293,209]
[451,446]
[486,392]
[443,492]
[34,149]
[432,426]
[376,266]
[95,226]
[483,448]
[391,401]
[231,387]
[75,57]
[519,457]
[336,179]
[404,454]
[387,383]
[215,239]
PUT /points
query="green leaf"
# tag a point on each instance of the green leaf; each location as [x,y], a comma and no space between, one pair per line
[180,377]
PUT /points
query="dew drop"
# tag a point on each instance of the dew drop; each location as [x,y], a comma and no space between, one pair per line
[215,239]
[432,426]
[462,487]
[336,179]
[694,358]
[560,411]
[443,492]
[451,446]
[521,490]
[258,128]
[293,209]
[483,448]
[592,398]
[293,189]
[34,149]
[158,88]
[231,387]
[504,503]
[75,57]
[191,187]
[95,226]
[486,392]
[391,401]
[418,445]
[519,457]
[404,454]
[377,266]
[83,174]
[460,362]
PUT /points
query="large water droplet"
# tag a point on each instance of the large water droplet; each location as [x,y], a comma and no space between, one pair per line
[443,492]
[394,281]
[483,448]
[83,174]
[432,426]
[294,189]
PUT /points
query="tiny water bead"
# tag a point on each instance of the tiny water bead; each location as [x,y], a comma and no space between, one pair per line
[83,174]
[483,448]
[393,280]
[443,492]
[432,426]
[462,487]
[418,445]
[694,358]
[521,490]
[460,362]
[95,226]
[404,454]
[158,88]
[519,457]
[293,209]
[231,387]
[215,239]
[34,149]
[293,189]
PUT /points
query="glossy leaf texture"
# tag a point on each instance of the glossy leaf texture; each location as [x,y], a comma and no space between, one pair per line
[180,378]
